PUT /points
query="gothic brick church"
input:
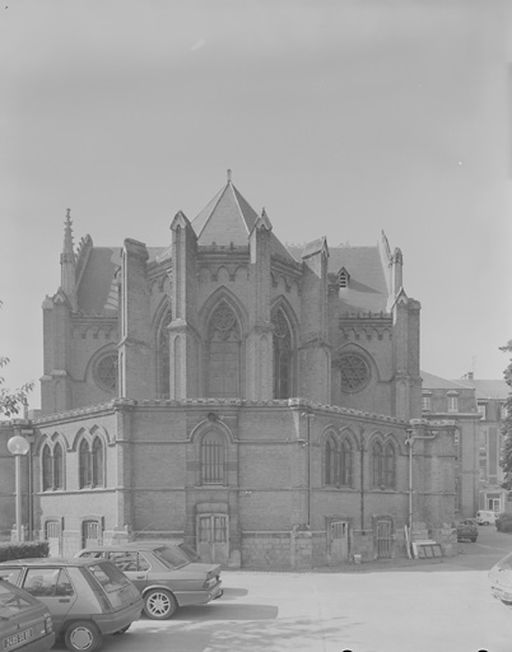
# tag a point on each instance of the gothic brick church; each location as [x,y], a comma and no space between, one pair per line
[252,398]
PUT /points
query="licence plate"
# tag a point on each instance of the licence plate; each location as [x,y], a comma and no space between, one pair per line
[15,640]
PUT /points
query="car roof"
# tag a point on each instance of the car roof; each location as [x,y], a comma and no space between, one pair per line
[134,545]
[49,561]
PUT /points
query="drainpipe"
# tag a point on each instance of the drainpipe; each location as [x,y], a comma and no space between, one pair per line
[361,484]
[308,416]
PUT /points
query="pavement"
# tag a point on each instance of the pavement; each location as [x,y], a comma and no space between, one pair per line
[386,606]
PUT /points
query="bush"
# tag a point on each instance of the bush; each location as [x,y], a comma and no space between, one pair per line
[23,550]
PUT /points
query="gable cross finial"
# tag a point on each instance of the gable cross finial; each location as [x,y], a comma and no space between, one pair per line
[229,175]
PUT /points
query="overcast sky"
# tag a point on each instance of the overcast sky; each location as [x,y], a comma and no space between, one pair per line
[341,117]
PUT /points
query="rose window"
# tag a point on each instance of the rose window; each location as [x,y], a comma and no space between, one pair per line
[355,372]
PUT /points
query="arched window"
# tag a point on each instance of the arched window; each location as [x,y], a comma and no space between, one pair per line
[223,353]
[338,461]
[377,455]
[331,460]
[97,463]
[213,459]
[47,468]
[346,463]
[84,464]
[58,467]
[282,355]
[389,466]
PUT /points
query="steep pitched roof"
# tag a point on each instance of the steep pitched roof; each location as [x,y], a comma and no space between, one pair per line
[229,218]
[367,290]
[97,292]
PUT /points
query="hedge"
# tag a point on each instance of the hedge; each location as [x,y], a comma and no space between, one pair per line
[23,550]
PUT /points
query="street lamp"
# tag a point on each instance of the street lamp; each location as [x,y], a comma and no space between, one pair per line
[18,446]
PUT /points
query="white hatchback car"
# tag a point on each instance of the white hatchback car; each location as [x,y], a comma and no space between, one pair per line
[485,517]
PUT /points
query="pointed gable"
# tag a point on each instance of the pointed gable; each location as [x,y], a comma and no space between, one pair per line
[227,218]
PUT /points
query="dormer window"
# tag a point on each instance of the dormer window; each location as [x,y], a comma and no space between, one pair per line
[343,278]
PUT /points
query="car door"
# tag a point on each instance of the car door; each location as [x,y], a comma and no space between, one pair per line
[51,585]
[133,565]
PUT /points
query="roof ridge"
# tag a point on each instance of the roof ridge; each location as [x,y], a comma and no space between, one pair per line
[236,192]
[214,206]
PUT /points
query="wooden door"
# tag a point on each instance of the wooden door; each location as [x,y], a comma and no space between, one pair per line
[213,538]
[53,534]
[92,534]
[338,541]
[384,539]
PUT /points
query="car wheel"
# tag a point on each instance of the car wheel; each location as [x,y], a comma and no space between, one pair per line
[123,630]
[82,636]
[159,604]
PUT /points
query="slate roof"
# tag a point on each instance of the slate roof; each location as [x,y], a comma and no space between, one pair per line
[97,291]
[430,381]
[229,218]
[367,290]
[497,389]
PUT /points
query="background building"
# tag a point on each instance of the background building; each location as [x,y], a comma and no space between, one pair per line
[490,398]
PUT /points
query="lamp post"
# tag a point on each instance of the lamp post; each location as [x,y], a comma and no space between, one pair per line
[18,446]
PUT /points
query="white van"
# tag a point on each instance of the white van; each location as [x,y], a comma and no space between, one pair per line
[485,517]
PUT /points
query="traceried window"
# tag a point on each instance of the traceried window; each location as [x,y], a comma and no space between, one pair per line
[213,459]
[58,467]
[52,465]
[383,465]
[338,460]
[105,371]
[354,372]
[283,356]
[47,467]
[223,353]
[97,462]
[377,462]
[389,472]
[91,463]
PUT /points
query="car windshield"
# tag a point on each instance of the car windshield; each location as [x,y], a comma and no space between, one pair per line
[109,576]
[171,557]
[11,602]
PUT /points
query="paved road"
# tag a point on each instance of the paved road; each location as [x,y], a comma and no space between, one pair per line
[408,607]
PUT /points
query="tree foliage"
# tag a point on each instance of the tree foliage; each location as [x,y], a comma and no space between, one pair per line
[506,426]
[12,402]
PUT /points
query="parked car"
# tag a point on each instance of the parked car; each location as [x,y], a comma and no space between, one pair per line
[163,574]
[467,530]
[87,598]
[504,522]
[485,517]
[25,623]
[500,577]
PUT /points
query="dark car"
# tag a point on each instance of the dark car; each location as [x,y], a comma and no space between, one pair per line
[164,575]
[87,598]
[467,530]
[25,623]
